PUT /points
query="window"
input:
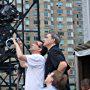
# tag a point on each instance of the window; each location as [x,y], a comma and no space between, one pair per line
[28,38]
[59,4]
[62,42]
[19,8]
[52,19]
[27,6]
[51,11]
[35,22]
[34,13]
[68,0]
[27,28]
[49,15]
[35,29]
[35,6]
[70,34]
[60,18]
[69,12]
[60,26]
[69,19]
[46,13]
[70,49]
[51,4]
[69,26]
[49,7]
[68,4]
[52,26]
[35,37]
[45,5]
[47,0]
[70,42]
[45,22]
[19,1]
[27,21]
[59,11]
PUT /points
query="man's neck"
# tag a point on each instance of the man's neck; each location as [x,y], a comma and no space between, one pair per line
[50,46]
[35,52]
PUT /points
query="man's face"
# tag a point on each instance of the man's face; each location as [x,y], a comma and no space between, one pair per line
[48,40]
[35,47]
[85,88]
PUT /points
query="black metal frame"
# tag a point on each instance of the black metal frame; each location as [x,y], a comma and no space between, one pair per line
[11,66]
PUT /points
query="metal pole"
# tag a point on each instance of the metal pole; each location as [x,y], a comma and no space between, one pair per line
[10,82]
[23,26]
[38,19]
[23,41]
[77,74]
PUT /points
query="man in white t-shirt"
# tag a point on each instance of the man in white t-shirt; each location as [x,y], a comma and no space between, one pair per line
[35,66]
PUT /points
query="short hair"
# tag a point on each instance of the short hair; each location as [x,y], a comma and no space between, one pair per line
[56,37]
[85,83]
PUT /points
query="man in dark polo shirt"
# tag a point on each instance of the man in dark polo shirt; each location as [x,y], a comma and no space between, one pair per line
[55,59]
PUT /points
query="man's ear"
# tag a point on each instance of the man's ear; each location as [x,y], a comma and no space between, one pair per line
[53,40]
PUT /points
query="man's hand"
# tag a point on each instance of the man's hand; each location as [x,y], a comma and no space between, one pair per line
[17,42]
[14,41]
[20,43]
[49,79]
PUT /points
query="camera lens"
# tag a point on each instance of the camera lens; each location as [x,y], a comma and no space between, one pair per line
[9,43]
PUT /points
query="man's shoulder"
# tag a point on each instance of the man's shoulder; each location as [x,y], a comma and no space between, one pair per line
[35,56]
[55,47]
[55,50]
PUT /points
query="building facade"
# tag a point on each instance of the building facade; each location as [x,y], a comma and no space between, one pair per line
[86,19]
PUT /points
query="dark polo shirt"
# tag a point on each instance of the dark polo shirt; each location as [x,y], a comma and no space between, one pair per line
[55,56]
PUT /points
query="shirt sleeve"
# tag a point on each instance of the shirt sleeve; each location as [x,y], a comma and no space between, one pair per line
[35,61]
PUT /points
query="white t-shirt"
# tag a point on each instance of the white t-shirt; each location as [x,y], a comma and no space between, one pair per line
[35,72]
[49,88]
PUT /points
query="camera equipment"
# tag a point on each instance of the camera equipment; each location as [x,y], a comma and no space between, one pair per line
[6,31]
[9,43]
[7,13]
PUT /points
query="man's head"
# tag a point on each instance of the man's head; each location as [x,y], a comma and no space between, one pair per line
[37,47]
[51,39]
[85,84]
